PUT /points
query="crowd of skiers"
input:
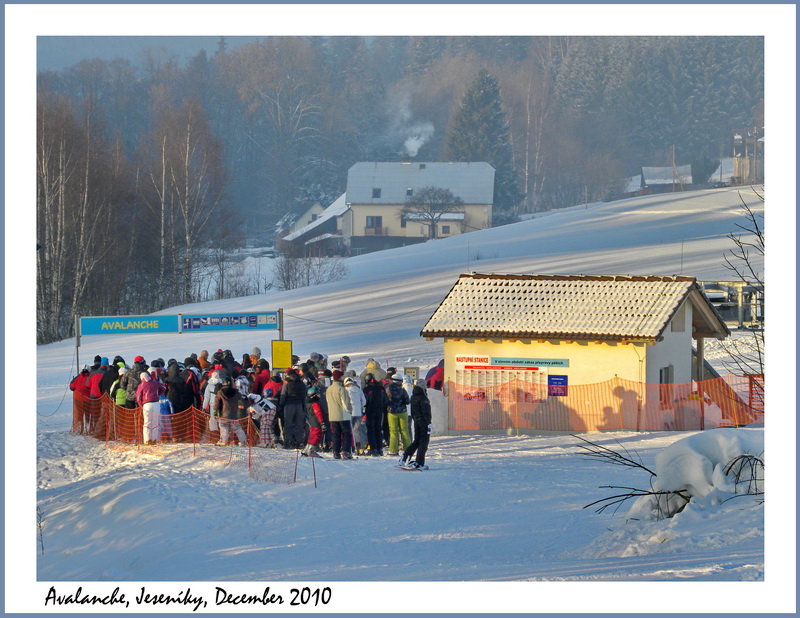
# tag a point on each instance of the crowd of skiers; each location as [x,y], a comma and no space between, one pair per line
[310,406]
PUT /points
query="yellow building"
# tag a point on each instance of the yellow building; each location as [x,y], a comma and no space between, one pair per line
[555,332]
[378,191]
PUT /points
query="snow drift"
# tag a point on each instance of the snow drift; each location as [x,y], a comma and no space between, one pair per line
[703,468]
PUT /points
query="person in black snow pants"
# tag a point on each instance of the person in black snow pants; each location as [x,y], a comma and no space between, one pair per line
[375,408]
[293,404]
[422,418]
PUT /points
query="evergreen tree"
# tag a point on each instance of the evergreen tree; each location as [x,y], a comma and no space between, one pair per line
[479,132]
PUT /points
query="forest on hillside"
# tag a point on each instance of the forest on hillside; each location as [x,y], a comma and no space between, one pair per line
[148,170]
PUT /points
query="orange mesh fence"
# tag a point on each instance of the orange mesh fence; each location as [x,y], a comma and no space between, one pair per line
[614,405]
[191,432]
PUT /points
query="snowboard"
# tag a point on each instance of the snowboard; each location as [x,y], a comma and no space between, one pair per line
[402,467]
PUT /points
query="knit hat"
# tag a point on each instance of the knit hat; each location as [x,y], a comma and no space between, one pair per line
[256,352]
[138,359]
[348,381]
[104,361]
[144,376]
[337,375]
[397,378]
[204,354]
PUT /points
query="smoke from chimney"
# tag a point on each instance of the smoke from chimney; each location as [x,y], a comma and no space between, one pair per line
[413,134]
[420,133]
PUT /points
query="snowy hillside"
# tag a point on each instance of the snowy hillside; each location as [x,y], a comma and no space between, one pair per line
[490,508]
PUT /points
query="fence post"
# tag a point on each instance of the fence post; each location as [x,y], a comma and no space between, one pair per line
[194,431]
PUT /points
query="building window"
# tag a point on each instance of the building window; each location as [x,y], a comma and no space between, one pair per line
[666,378]
[374,222]
[445,229]
[313,217]
[409,192]
[376,192]
[403,221]
[422,166]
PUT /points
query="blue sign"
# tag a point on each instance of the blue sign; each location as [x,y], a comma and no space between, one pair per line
[230,321]
[557,386]
[129,324]
[531,362]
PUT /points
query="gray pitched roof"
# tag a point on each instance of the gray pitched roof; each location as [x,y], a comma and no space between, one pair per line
[472,182]
[570,307]
[334,210]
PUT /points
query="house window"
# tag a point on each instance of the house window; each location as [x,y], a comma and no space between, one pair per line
[376,192]
[422,166]
[666,377]
[374,222]
[402,221]
[409,192]
[313,217]
[445,229]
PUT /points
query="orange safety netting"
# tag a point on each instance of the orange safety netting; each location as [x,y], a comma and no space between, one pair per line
[613,405]
[191,432]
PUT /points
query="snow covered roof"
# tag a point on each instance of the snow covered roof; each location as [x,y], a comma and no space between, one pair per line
[389,182]
[633,184]
[667,175]
[322,237]
[293,215]
[334,210]
[570,307]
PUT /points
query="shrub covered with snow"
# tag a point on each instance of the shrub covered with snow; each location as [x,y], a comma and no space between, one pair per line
[712,465]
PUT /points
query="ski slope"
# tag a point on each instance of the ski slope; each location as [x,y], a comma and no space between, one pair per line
[491,509]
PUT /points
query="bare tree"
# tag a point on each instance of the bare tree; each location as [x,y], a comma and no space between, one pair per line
[744,259]
[429,205]
[530,98]
[298,272]
[76,185]
[184,190]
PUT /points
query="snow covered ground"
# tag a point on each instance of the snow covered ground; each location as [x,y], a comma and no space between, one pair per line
[490,509]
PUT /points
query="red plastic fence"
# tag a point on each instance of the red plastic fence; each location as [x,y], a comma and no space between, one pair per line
[188,433]
[614,405]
